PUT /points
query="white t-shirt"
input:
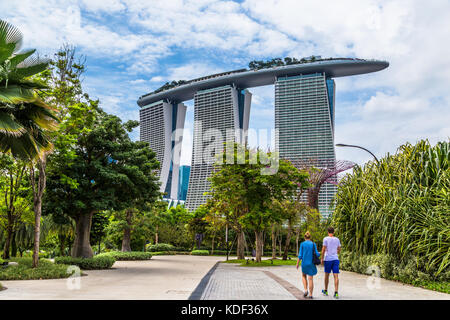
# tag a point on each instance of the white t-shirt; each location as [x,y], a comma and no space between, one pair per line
[332,244]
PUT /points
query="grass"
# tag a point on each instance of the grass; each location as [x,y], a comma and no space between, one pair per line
[263,263]
[45,270]
[436,286]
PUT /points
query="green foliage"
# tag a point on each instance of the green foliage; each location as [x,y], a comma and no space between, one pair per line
[165,253]
[263,263]
[24,271]
[1,261]
[127,256]
[96,263]
[399,207]
[24,117]
[200,252]
[160,247]
[409,270]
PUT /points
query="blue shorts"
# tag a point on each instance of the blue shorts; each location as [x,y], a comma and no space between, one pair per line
[331,265]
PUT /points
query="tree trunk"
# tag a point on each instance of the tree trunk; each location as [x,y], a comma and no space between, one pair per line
[126,241]
[212,243]
[7,243]
[274,243]
[38,192]
[62,239]
[280,239]
[297,235]
[156,235]
[287,243]
[13,245]
[240,244]
[259,245]
[82,246]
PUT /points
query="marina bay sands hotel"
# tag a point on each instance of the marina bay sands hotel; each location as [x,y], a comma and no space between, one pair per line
[304,118]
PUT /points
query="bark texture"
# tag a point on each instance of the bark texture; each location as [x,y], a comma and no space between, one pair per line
[126,241]
[82,246]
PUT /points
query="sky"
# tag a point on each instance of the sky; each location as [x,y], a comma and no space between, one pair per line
[132,47]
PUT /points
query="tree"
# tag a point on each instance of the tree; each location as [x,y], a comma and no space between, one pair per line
[12,180]
[247,188]
[25,118]
[109,172]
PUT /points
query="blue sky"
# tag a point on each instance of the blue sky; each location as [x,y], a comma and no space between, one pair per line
[133,47]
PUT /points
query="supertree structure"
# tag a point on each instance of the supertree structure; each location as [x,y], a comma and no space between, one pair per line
[320,172]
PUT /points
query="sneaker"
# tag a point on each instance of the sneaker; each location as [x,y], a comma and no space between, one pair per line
[325,292]
[305,294]
[336,296]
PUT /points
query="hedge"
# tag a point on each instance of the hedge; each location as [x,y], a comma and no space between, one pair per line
[24,271]
[200,252]
[160,247]
[410,271]
[95,263]
[127,256]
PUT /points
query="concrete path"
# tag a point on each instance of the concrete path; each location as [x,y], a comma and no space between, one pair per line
[162,277]
[181,277]
[232,282]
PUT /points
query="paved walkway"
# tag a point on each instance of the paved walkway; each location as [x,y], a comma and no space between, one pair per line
[162,277]
[184,277]
[232,282]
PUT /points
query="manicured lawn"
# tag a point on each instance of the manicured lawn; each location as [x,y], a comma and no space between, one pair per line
[24,271]
[263,263]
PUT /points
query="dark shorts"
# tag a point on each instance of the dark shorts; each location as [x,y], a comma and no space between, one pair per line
[331,265]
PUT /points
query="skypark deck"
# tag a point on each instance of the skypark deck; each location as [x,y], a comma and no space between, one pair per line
[255,78]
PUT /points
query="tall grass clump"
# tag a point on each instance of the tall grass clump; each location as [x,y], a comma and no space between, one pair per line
[399,207]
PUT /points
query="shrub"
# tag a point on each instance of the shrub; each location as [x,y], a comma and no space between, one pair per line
[165,253]
[95,263]
[411,270]
[1,261]
[200,253]
[23,271]
[127,256]
[399,206]
[160,247]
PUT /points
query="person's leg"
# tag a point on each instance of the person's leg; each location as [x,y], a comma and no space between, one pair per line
[305,283]
[336,282]
[311,285]
[336,278]
[327,279]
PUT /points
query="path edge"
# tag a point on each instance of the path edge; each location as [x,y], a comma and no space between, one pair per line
[198,291]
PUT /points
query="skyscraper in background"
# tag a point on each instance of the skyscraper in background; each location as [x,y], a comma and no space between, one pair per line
[161,124]
[304,118]
[219,110]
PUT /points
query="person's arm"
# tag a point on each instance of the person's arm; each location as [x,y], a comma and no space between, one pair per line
[300,256]
[324,248]
[339,247]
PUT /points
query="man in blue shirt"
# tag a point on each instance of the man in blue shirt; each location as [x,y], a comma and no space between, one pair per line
[330,250]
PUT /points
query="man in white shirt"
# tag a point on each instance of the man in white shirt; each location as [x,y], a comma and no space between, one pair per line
[330,250]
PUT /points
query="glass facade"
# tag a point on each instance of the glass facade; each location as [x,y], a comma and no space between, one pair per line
[219,109]
[183,182]
[304,118]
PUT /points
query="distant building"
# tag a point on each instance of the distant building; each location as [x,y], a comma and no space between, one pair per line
[223,108]
[304,117]
[158,122]
[183,182]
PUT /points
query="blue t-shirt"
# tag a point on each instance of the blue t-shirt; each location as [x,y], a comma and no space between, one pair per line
[332,244]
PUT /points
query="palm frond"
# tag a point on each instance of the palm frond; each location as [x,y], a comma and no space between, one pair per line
[10,34]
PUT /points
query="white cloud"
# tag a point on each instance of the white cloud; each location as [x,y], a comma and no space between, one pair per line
[405,102]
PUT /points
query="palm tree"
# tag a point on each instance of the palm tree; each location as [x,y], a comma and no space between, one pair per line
[24,117]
